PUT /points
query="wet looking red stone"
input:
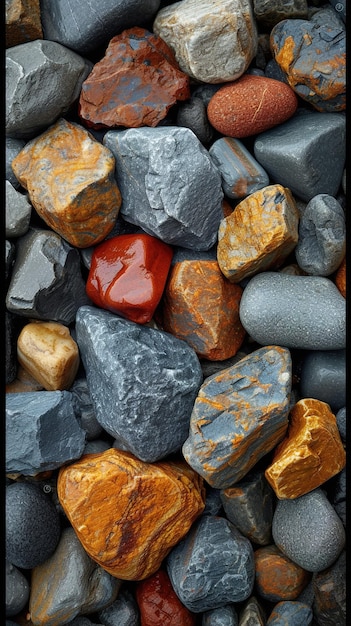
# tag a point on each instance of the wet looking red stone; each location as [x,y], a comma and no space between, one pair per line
[158,603]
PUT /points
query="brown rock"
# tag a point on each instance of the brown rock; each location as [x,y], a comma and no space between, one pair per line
[277,578]
[311,453]
[22,22]
[340,278]
[259,234]
[129,514]
[70,180]
[135,84]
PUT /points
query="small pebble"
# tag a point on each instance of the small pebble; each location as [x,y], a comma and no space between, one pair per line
[277,577]
[18,212]
[323,376]
[290,613]
[224,616]
[17,590]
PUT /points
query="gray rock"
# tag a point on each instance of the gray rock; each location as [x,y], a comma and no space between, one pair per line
[273,70]
[13,148]
[32,525]
[193,115]
[42,432]
[252,613]
[123,611]
[213,502]
[17,590]
[269,13]
[60,73]
[307,594]
[206,91]
[323,376]
[330,594]
[322,236]
[98,445]
[223,616]
[143,382]
[308,530]
[82,621]
[46,281]
[13,326]
[84,408]
[290,612]
[18,212]
[213,566]
[306,312]
[10,253]
[169,184]
[333,16]
[291,153]
[338,494]
[341,422]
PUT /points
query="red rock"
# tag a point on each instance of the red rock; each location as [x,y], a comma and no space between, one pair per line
[128,274]
[159,605]
[135,84]
[278,578]
[251,105]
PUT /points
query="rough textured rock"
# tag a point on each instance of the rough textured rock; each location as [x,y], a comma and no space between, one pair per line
[18,212]
[268,14]
[223,616]
[212,566]
[123,611]
[69,583]
[169,184]
[17,590]
[305,312]
[143,382]
[252,613]
[239,415]
[158,603]
[290,612]
[340,278]
[58,70]
[323,376]
[42,432]
[83,407]
[129,542]
[79,201]
[329,588]
[22,19]
[12,148]
[193,115]
[278,578]
[259,234]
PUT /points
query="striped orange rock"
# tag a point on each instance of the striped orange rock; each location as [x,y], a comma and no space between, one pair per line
[201,307]
[278,578]
[340,278]
[310,454]
[70,181]
[259,234]
[129,514]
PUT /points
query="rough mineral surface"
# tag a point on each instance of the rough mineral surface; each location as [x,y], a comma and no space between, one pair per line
[135,84]
[329,588]
[212,42]
[213,566]
[276,576]
[22,21]
[239,415]
[129,514]
[311,453]
[323,376]
[70,180]
[259,234]
[268,13]
[169,184]
[18,212]
[141,381]
[158,603]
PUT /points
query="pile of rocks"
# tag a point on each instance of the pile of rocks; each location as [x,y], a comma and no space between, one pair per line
[175,313]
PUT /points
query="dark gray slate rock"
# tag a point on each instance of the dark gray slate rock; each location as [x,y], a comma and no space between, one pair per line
[205,91]
[10,253]
[213,502]
[13,326]
[330,607]
[337,497]
[341,422]
[169,184]
[193,115]
[13,148]
[340,8]
[123,611]
[252,613]
[304,312]
[17,590]
[322,236]
[323,376]
[46,281]
[223,616]
[290,612]
[84,409]
[273,70]
[143,382]
[98,445]
[18,212]
[32,525]
[42,432]
[291,153]
[309,531]
[85,26]
[60,73]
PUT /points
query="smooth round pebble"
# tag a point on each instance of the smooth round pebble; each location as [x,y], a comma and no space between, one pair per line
[223,616]
[341,422]
[290,613]
[17,590]
[323,376]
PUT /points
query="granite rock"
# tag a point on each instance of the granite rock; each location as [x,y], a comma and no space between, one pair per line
[158,603]
[223,616]
[277,577]
[193,115]
[290,612]
[123,611]
[323,376]
[22,19]
[17,590]
[330,593]
[12,148]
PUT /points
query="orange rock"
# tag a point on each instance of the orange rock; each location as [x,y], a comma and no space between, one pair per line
[340,278]
[311,453]
[22,22]
[23,383]
[129,514]
[277,578]
[259,234]
[201,307]
[47,352]
[70,180]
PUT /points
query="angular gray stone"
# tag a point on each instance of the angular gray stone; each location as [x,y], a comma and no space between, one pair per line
[305,312]
[143,382]
[60,73]
[213,502]
[323,376]
[252,613]
[98,445]
[341,422]
[46,281]
[42,432]
[84,408]
[273,70]
[169,184]
[290,612]
[322,236]
[213,566]
[10,253]
[223,616]
[13,147]
[17,590]
[123,611]
[330,590]
[291,153]
[193,115]
[18,212]
[309,531]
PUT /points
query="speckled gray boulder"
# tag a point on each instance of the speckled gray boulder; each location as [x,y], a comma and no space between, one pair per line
[309,531]
[13,148]
[223,616]
[213,566]
[123,611]
[306,312]
[290,613]
[323,376]
[17,590]
[18,212]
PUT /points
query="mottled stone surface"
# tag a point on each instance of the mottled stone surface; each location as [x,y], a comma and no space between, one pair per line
[193,115]
[16,591]
[22,19]
[123,611]
[158,603]
[223,616]
[128,541]
[252,613]
[277,577]
[18,212]
[290,612]
[268,13]
[143,393]
[239,415]
[323,376]
[306,312]
[169,184]
[341,422]
[259,234]
[330,593]
[340,278]
[212,566]
[212,42]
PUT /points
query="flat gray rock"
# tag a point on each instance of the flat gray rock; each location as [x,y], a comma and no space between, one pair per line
[323,376]
[305,312]
[17,590]
[18,212]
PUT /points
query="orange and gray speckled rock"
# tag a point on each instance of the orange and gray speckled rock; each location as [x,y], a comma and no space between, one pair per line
[277,577]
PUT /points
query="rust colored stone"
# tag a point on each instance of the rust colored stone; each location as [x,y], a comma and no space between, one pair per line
[259,234]
[159,605]
[22,22]
[227,208]
[70,180]
[201,307]
[310,454]
[135,84]
[278,578]
[340,278]
[47,352]
[24,382]
[251,105]
[129,514]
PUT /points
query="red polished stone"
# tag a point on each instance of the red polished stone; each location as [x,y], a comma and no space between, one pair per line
[159,605]
[128,274]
